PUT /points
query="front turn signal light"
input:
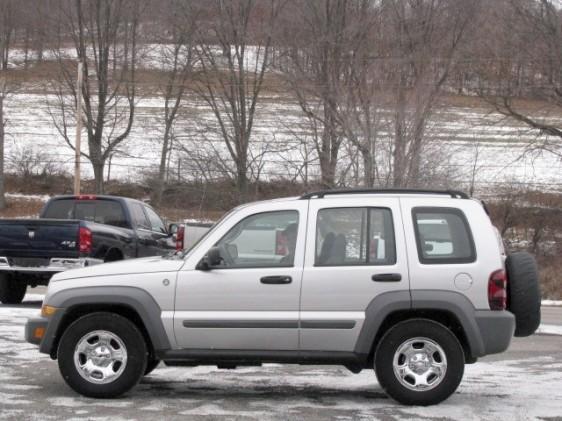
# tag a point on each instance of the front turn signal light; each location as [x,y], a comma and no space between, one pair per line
[39,332]
[48,311]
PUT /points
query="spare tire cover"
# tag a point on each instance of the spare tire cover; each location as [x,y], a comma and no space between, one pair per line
[523,292]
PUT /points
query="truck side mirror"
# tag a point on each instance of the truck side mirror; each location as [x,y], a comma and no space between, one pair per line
[173,229]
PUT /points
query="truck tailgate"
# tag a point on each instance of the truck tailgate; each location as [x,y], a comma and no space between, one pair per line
[30,239]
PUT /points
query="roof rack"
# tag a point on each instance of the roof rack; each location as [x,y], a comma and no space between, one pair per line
[455,194]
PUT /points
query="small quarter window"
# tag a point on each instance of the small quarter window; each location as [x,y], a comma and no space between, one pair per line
[443,236]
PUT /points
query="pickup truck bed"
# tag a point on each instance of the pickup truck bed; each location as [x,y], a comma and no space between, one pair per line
[74,232]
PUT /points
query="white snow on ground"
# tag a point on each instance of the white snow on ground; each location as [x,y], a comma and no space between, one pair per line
[279,126]
[40,197]
[550,329]
[551,302]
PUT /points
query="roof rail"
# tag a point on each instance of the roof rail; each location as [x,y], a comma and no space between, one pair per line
[320,194]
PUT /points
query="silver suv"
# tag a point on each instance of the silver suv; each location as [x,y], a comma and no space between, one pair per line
[414,284]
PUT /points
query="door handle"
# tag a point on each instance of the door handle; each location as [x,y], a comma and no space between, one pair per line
[387,277]
[276,280]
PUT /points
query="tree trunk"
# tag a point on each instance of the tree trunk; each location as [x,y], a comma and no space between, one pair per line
[98,176]
[368,178]
[242,177]
[160,183]
[2,198]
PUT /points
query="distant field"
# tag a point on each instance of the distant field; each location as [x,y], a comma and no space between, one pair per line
[471,134]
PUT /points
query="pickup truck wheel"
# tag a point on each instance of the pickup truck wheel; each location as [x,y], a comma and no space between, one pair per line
[523,292]
[102,355]
[151,364]
[419,362]
[12,291]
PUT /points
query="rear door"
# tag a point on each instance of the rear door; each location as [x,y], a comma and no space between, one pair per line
[355,251]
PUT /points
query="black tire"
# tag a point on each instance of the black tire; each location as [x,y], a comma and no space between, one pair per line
[12,291]
[398,335]
[523,292]
[119,326]
[151,364]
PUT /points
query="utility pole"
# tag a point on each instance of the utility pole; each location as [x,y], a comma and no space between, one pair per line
[78,130]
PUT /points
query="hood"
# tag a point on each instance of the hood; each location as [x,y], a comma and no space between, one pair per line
[124,267]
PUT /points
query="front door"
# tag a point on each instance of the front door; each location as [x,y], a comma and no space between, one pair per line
[355,252]
[251,301]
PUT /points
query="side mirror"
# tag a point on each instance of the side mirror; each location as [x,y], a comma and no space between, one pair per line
[212,258]
[173,229]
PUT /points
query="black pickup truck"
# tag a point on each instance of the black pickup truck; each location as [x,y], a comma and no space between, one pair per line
[77,231]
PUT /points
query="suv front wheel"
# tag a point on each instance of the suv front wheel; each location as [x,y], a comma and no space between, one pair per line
[419,362]
[102,355]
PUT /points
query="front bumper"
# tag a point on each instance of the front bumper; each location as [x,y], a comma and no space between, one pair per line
[32,327]
[496,330]
[56,264]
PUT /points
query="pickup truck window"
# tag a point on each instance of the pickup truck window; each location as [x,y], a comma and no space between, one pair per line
[139,217]
[102,212]
[155,221]
[60,209]
[107,212]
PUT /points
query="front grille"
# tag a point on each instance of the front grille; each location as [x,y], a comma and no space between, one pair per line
[29,262]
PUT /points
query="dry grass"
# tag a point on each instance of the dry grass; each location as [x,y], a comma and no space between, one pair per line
[18,208]
[551,278]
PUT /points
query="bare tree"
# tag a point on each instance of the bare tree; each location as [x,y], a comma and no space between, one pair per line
[7,28]
[232,75]
[526,64]
[2,139]
[177,66]
[104,37]
[423,38]
[317,51]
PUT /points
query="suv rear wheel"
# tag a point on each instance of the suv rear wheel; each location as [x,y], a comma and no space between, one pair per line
[102,355]
[12,290]
[419,362]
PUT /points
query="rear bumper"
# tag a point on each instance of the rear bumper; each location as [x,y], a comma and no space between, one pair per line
[496,330]
[56,264]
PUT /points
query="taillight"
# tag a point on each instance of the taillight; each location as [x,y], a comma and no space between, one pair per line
[497,290]
[85,240]
[180,235]
[281,244]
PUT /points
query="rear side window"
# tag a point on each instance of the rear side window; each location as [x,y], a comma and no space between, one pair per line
[443,236]
[355,236]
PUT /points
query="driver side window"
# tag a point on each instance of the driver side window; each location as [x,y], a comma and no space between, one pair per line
[262,240]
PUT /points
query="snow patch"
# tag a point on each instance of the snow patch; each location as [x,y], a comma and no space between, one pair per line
[549,330]
[21,196]
[551,302]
